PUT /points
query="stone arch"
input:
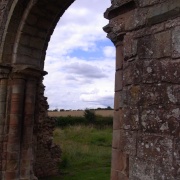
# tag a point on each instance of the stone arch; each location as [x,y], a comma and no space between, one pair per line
[27,27]
[29,30]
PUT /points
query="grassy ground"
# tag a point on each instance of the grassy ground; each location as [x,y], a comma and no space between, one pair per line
[86,153]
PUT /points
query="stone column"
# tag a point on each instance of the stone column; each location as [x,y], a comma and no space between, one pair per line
[26,158]
[17,84]
[4,73]
[23,87]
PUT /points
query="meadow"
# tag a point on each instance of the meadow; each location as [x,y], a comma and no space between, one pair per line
[74,113]
[86,152]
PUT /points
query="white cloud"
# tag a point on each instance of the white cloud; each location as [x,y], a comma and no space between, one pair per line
[109,51]
[74,81]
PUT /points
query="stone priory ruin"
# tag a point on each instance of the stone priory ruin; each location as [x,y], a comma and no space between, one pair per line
[146,127]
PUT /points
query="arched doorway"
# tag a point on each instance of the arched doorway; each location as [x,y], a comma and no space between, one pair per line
[27,29]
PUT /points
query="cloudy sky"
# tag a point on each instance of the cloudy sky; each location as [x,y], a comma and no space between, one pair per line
[80,59]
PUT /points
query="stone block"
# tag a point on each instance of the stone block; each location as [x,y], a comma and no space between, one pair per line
[156,46]
[122,176]
[119,160]
[30,99]
[143,3]
[118,80]
[176,42]
[163,11]
[158,119]
[176,157]
[18,89]
[31,20]
[117,99]
[132,72]
[161,71]
[36,43]
[24,50]
[29,109]
[36,54]
[24,59]
[135,19]
[130,119]
[15,119]
[25,39]
[29,120]
[140,169]
[164,171]
[119,57]
[2,107]
[127,142]
[16,108]
[123,101]
[12,165]
[162,44]
[130,46]
[114,174]
[12,175]
[152,94]
[29,30]
[155,148]
[116,137]
[117,120]
[130,96]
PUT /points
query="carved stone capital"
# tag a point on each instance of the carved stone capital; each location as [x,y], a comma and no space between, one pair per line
[4,71]
[27,72]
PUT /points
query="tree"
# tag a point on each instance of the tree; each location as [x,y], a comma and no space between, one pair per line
[89,115]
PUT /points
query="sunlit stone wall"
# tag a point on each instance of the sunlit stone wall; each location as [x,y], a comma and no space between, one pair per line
[146,129]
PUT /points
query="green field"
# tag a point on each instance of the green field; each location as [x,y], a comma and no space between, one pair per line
[86,153]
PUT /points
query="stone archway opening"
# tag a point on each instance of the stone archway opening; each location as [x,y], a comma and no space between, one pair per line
[80,60]
[27,30]
[83,69]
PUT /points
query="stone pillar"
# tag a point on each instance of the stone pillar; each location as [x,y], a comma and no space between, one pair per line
[4,73]
[19,155]
[15,128]
[26,159]
[146,129]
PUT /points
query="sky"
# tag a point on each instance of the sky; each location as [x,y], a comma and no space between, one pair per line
[80,59]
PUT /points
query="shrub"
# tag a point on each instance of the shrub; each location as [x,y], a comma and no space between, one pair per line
[70,120]
[90,115]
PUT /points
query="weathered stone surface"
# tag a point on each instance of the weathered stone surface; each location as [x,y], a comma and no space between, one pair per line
[156,46]
[117,120]
[132,73]
[140,169]
[159,119]
[48,154]
[128,141]
[155,148]
[161,71]
[149,98]
[130,46]
[176,42]
[130,119]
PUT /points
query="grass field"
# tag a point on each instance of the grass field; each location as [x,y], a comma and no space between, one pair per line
[104,113]
[86,153]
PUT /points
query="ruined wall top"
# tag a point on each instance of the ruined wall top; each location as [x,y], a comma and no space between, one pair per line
[129,15]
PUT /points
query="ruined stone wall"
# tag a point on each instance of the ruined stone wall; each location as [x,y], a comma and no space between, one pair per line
[146,129]
[47,154]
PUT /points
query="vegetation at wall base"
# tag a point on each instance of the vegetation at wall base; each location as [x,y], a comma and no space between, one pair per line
[86,152]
